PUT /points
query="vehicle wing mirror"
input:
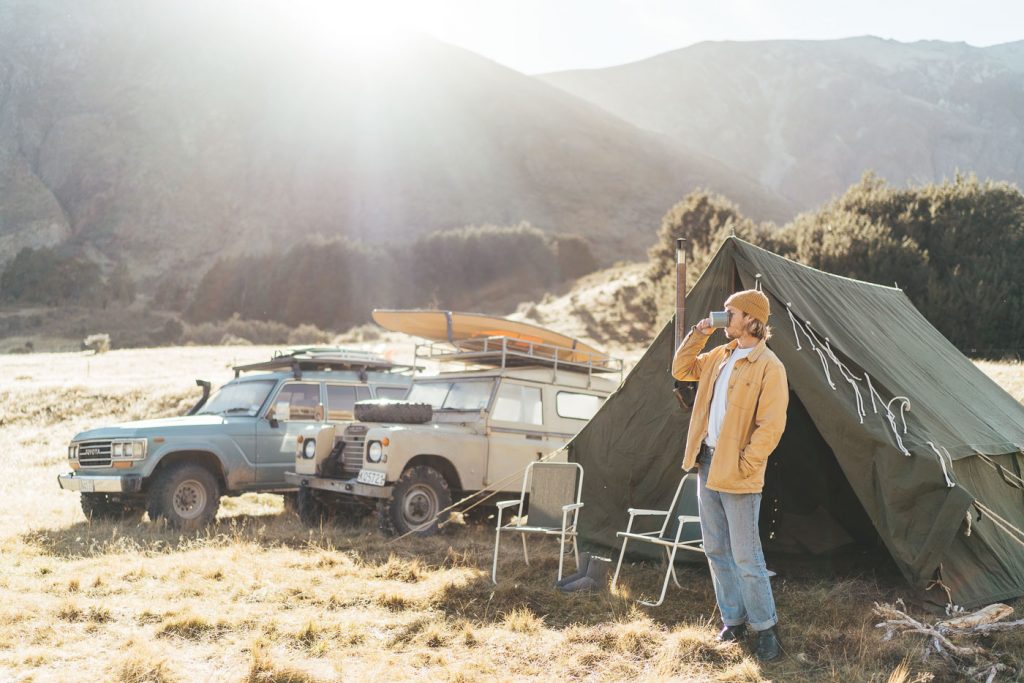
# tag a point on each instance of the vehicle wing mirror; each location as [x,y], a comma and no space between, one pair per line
[279,411]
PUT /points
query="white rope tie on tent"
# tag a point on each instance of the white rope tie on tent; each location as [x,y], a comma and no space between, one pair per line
[904,405]
[821,356]
[806,328]
[757,282]
[1003,525]
[789,309]
[849,377]
[945,473]
[871,392]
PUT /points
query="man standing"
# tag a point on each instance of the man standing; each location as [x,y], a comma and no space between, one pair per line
[738,417]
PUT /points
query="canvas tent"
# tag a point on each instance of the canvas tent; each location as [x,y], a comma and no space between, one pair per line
[892,434]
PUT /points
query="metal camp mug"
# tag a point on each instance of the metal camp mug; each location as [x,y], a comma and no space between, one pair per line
[719,318]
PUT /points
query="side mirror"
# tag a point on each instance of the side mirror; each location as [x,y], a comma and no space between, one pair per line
[279,411]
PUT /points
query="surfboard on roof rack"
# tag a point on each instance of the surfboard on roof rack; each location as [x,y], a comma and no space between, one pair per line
[475,334]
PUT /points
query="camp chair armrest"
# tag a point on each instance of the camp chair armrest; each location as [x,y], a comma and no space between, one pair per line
[638,511]
[572,506]
[507,504]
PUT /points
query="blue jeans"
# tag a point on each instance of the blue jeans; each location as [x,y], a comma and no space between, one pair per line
[728,523]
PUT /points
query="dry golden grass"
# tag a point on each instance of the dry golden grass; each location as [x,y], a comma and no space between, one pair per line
[258,597]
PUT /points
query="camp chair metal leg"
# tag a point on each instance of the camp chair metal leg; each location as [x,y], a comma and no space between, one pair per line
[497,540]
[526,555]
[561,555]
[664,584]
[675,579]
[618,567]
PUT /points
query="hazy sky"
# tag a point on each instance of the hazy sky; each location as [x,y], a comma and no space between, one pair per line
[535,36]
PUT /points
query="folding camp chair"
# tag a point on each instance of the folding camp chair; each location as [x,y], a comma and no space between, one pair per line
[679,530]
[554,490]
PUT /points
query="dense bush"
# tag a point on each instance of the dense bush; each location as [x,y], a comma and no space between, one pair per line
[45,276]
[234,328]
[453,267]
[954,248]
[328,284]
[336,284]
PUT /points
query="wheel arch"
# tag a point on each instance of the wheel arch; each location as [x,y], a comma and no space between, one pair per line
[204,459]
[440,463]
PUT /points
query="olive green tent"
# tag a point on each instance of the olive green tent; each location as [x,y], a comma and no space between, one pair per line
[892,434]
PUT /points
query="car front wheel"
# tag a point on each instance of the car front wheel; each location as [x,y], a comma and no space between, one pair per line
[418,503]
[185,495]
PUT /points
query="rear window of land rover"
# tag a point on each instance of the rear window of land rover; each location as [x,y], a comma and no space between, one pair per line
[577,406]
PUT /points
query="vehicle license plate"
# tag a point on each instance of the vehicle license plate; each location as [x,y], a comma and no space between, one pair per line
[88,485]
[370,477]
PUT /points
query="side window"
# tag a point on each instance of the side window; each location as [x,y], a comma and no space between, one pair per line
[397,393]
[518,403]
[340,402]
[576,406]
[297,401]
[362,393]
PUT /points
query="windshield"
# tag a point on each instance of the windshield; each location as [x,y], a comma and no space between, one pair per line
[457,395]
[238,398]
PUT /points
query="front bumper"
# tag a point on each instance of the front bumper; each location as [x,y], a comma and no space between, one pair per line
[124,483]
[349,487]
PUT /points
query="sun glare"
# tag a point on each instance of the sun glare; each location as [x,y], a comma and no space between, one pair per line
[358,31]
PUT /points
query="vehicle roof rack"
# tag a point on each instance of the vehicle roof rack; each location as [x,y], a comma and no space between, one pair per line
[313,359]
[509,352]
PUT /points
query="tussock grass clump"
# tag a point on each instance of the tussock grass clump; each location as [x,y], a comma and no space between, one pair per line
[397,569]
[99,615]
[522,620]
[190,627]
[263,669]
[407,633]
[694,648]
[69,611]
[433,636]
[393,601]
[141,664]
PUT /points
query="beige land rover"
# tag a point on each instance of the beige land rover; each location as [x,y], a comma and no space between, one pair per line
[456,433]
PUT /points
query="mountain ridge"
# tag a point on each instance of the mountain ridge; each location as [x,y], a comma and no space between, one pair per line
[808,118]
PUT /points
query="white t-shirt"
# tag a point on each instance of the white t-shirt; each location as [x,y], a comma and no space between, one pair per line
[720,397]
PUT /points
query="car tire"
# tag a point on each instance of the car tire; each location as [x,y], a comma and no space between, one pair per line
[186,496]
[312,511]
[99,506]
[291,503]
[416,504]
[399,412]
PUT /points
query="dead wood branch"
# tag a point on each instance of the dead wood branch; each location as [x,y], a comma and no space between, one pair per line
[968,659]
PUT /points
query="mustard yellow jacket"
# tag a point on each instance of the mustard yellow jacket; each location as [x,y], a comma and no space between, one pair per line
[755,415]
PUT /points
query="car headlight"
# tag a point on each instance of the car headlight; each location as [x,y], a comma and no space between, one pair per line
[128,449]
[73,452]
[375,452]
[309,448]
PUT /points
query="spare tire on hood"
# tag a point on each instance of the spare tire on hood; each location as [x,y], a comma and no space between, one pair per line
[387,410]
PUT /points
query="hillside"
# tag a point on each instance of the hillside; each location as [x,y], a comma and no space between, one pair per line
[807,118]
[160,136]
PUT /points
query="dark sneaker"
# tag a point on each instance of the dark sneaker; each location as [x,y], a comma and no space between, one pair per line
[768,647]
[732,634]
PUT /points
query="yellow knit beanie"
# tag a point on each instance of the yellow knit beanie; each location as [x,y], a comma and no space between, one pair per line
[753,302]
